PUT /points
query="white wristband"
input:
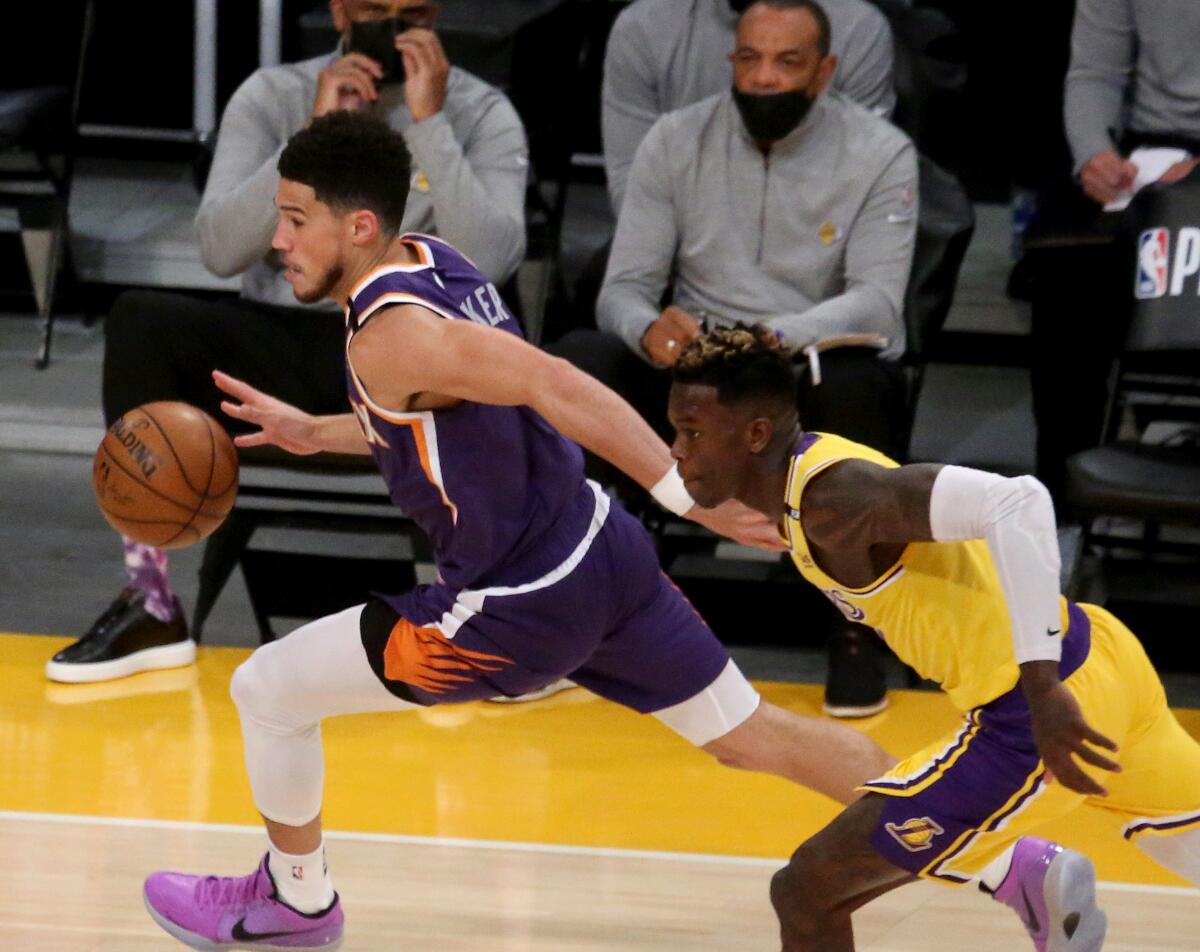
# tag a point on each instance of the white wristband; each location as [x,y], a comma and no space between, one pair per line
[670,493]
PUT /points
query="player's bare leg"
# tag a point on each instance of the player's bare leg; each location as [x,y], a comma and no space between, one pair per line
[295,839]
[828,877]
[824,755]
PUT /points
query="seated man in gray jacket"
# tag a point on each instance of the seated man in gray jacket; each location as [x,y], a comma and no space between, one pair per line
[663,55]
[470,163]
[784,203]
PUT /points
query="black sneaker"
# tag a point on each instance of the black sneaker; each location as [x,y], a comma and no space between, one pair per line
[857,683]
[124,640]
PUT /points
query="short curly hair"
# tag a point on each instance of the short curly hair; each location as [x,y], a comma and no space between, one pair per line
[740,361]
[352,160]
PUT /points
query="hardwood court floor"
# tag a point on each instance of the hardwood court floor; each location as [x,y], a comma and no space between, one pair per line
[567,824]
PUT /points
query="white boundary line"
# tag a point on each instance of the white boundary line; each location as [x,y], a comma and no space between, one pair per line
[397,838]
[763,862]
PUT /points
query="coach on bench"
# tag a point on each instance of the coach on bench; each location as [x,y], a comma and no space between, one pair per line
[470,160]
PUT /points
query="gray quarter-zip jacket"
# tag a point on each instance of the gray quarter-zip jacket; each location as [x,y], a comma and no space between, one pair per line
[663,55]
[470,163]
[814,239]
[1135,65]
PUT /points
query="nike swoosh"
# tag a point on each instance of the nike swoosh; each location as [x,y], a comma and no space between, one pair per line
[1052,632]
[239,932]
[1034,925]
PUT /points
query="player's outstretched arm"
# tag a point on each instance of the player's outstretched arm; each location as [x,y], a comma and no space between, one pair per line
[858,504]
[407,350]
[283,425]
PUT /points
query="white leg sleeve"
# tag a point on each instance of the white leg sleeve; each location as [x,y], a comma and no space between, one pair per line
[283,692]
[714,712]
[1178,852]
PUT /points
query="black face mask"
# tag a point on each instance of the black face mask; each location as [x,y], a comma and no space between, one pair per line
[377,39]
[769,117]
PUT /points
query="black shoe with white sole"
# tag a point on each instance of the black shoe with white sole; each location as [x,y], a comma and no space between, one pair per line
[857,682]
[124,640]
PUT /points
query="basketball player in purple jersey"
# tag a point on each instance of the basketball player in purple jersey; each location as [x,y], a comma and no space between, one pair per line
[541,575]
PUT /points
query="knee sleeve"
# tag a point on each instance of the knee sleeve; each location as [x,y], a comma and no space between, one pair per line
[259,692]
[284,761]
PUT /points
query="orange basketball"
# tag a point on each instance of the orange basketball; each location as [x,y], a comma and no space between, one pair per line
[166,474]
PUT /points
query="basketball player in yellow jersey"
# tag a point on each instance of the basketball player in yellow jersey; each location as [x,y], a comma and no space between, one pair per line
[957,570]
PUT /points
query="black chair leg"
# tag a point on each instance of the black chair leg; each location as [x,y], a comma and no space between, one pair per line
[43,255]
[222,552]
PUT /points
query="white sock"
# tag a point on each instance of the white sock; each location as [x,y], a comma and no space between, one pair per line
[993,874]
[301,881]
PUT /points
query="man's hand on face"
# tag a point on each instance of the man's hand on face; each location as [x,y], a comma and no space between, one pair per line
[348,83]
[665,339]
[1105,175]
[426,72]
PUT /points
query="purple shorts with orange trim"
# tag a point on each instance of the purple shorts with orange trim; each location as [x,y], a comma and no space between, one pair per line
[607,618]
[974,784]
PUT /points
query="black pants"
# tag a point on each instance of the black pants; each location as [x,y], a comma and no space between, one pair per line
[165,346]
[1082,268]
[860,397]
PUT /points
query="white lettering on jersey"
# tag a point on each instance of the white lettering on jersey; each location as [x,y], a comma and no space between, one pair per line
[485,306]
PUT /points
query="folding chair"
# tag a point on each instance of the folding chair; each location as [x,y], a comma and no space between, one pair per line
[39,107]
[1145,476]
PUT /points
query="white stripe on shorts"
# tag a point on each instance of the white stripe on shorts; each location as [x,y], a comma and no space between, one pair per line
[469,602]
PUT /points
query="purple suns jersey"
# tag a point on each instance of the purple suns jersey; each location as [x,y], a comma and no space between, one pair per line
[499,492]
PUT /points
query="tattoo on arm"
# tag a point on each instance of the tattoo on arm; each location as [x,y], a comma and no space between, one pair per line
[856,503]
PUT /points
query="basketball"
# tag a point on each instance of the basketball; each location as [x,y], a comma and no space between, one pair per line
[165,474]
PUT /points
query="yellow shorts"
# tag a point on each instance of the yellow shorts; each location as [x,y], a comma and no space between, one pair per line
[957,804]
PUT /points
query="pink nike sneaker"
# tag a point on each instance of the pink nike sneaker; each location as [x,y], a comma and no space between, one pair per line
[1053,891]
[238,912]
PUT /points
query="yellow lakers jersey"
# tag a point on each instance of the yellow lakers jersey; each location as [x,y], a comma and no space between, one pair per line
[940,607]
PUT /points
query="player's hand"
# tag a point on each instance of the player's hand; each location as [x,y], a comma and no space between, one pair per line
[1178,172]
[739,522]
[426,71]
[671,331]
[347,83]
[1106,175]
[281,424]
[1062,734]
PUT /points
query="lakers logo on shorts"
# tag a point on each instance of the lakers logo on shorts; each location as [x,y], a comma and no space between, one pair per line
[916,834]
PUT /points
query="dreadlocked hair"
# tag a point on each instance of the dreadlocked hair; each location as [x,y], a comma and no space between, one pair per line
[740,361]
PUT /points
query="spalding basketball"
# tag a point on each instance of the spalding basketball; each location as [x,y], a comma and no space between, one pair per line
[166,474]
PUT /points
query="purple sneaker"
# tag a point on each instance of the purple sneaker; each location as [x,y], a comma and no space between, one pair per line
[228,912]
[1053,891]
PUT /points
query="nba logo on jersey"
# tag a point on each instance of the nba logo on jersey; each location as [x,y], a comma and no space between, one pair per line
[1154,245]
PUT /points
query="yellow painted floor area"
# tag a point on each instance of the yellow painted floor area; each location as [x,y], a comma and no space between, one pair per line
[572,769]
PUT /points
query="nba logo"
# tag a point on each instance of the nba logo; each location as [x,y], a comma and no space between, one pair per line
[1153,247]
